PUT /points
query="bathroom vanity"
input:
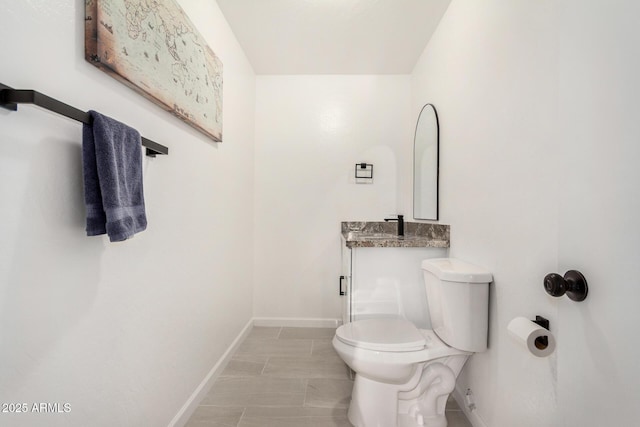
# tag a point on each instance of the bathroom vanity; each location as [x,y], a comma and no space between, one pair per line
[381,274]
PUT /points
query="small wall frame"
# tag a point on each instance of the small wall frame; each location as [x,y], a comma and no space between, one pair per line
[364,172]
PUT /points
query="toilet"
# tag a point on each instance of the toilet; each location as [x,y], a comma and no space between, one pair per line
[404,375]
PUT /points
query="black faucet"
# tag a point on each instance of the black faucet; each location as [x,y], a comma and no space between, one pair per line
[400,220]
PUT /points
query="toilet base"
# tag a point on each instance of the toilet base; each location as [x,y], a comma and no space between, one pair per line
[373,404]
[409,421]
[420,402]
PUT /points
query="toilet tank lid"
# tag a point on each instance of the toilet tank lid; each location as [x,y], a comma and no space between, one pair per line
[455,270]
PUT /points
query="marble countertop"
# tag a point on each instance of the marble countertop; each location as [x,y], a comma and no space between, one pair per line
[384,235]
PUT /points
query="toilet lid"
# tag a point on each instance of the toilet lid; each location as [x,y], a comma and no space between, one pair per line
[382,335]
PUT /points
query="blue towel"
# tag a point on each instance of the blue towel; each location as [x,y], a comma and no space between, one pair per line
[112,169]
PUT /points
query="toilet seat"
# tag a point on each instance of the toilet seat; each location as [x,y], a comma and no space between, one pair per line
[386,334]
[367,338]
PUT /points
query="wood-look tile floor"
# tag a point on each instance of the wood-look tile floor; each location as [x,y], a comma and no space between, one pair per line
[285,377]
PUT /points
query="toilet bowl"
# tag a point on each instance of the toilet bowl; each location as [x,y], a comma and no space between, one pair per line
[404,375]
[395,364]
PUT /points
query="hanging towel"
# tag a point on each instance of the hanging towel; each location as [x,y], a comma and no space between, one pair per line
[112,169]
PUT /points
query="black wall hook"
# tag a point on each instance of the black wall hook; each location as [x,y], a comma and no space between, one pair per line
[573,284]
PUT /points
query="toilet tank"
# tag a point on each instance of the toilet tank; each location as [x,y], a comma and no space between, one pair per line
[458,298]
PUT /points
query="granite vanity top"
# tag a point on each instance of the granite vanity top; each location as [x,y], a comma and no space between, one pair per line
[383,235]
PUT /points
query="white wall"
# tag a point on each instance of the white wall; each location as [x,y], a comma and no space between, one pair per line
[538,111]
[491,71]
[310,133]
[123,332]
[598,372]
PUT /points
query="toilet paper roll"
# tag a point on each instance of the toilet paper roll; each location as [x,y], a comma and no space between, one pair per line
[532,336]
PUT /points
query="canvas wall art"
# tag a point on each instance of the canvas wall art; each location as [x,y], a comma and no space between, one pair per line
[153,47]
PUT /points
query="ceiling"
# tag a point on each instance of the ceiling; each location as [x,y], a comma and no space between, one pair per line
[333,36]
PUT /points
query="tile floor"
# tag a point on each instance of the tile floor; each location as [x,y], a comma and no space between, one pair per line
[285,377]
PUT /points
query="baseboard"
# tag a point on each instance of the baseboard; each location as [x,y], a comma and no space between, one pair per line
[473,416]
[203,388]
[296,322]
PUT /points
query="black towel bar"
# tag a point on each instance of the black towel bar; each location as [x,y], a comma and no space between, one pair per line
[10,98]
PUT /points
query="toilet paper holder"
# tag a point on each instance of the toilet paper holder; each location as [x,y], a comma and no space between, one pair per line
[573,284]
[542,342]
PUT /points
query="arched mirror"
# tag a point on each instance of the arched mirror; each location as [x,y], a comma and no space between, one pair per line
[425,165]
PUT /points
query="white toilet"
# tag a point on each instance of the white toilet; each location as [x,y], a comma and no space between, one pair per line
[404,375]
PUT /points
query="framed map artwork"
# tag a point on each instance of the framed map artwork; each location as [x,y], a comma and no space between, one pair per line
[152,47]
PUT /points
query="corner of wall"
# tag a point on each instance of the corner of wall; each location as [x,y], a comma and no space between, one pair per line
[189,407]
